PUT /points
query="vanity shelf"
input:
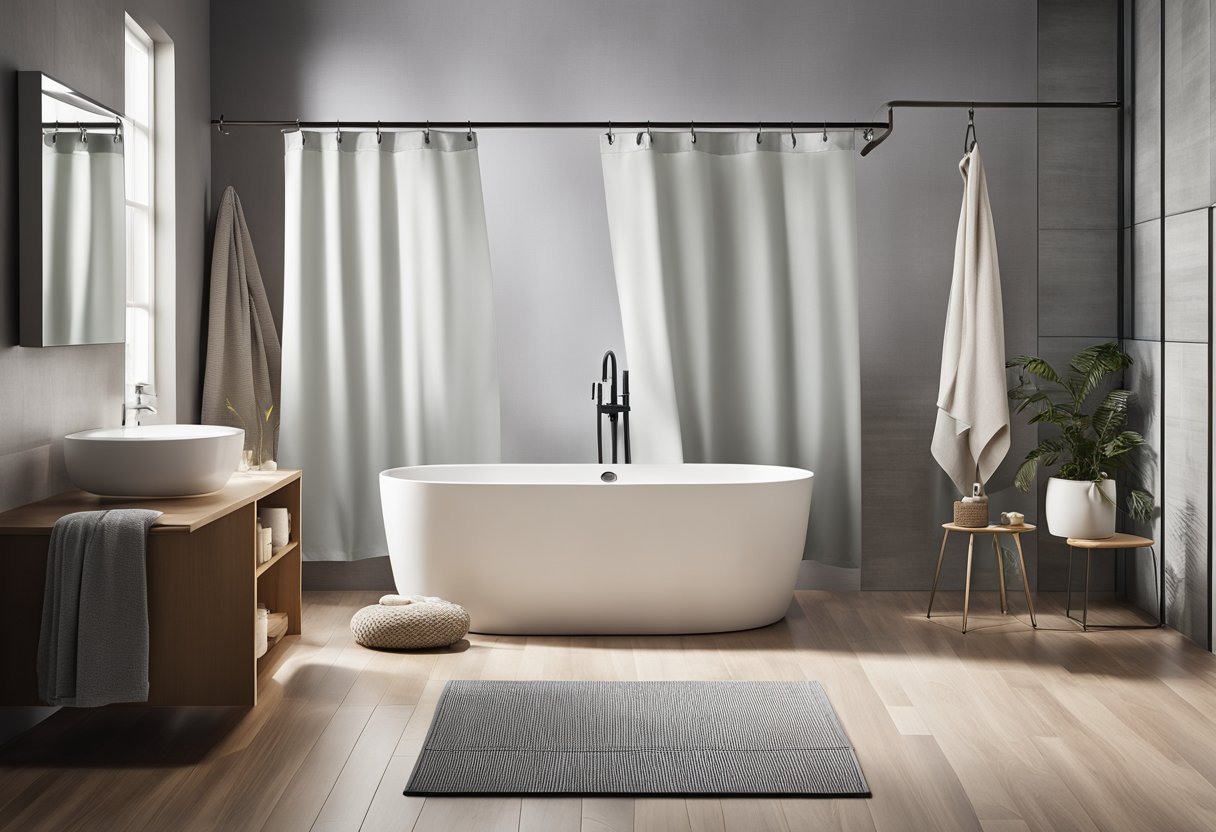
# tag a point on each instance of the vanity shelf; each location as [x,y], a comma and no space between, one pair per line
[204,585]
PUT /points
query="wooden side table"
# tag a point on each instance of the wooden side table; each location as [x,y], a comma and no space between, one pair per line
[1016,533]
[1119,541]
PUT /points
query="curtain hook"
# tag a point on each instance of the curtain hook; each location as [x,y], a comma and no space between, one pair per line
[969,138]
[117,129]
[84,135]
[692,128]
[611,138]
[426,133]
[219,128]
[648,133]
[825,131]
[759,131]
[379,137]
[468,137]
[55,135]
[793,138]
[300,130]
[339,123]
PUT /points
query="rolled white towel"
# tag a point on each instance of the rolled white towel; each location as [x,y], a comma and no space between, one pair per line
[402,600]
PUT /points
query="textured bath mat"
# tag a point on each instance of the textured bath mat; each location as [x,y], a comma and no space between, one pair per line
[636,738]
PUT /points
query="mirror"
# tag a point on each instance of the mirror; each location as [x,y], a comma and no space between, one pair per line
[72,218]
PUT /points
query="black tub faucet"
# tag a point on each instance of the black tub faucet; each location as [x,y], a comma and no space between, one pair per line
[614,408]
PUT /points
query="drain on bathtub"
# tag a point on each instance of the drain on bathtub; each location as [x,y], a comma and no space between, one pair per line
[608,476]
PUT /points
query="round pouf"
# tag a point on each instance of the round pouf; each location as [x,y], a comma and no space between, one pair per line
[410,627]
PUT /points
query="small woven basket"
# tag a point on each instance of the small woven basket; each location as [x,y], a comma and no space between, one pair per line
[971,515]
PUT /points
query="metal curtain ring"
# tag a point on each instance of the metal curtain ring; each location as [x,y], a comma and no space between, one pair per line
[649,135]
[426,133]
[611,138]
[84,135]
[117,129]
[825,131]
[468,137]
[379,136]
[692,128]
[300,130]
[793,138]
[759,131]
[339,123]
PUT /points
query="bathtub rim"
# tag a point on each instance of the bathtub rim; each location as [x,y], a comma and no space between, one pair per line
[790,474]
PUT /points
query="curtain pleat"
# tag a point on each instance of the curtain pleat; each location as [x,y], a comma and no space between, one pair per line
[388,324]
[736,268]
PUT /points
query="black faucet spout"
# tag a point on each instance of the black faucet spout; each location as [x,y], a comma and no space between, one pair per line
[613,407]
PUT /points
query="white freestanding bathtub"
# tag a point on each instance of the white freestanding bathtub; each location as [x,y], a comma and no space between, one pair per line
[569,549]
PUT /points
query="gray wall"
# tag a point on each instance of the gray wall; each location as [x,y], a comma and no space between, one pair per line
[1078,187]
[46,393]
[776,59]
[1169,311]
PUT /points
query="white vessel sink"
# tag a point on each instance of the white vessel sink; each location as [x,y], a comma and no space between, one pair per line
[153,460]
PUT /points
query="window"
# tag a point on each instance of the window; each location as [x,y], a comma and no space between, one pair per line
[140,163]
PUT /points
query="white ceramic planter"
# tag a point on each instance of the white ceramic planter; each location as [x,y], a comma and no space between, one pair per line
[1080,508]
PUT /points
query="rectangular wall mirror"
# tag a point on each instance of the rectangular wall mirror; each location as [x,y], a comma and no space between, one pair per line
[72,222]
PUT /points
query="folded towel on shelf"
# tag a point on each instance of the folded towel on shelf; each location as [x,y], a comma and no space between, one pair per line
[93,646]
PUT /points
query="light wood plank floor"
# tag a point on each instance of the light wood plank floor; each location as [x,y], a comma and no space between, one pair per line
[1003,729]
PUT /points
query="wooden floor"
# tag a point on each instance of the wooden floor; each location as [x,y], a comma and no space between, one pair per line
[1003,729]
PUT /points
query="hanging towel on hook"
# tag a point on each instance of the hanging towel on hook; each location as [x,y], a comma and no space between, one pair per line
[972,432]
[241,382]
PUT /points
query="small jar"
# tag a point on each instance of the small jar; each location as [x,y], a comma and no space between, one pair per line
[261,631]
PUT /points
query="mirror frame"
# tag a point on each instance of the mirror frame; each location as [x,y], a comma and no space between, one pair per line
[29,204]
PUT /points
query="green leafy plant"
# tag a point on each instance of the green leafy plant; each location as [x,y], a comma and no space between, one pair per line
[1089,446]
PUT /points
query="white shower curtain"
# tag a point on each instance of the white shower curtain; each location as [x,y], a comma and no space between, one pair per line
[83,235]
[736,267]
[388,326]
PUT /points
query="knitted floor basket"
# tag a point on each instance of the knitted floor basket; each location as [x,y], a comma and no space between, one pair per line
[410,627]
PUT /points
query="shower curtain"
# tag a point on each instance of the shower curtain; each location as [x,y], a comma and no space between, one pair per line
[388,327]
[736,268]
[84,231]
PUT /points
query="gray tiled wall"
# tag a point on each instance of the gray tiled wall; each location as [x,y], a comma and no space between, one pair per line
[1078,187]
[1170,263]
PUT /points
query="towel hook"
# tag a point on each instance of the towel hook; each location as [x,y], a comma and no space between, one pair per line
[379,136]
[759,131]
[648,133]
[969,138]
[468,137]
[825,131]
[339,123]
[611,138]
[84,135]
[426,133]
[692,128]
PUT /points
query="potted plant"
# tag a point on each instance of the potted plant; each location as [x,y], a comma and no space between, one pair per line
[1088,447]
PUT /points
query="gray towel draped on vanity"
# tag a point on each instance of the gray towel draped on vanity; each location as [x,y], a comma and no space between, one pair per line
[93,645]
[243,353]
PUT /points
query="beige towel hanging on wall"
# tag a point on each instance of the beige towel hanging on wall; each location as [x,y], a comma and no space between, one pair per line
[972,432]
[241,381]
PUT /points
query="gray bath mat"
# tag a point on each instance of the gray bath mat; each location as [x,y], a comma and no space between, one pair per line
[636,738]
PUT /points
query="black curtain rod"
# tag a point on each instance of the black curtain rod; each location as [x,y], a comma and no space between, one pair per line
[892,106]
[868,127]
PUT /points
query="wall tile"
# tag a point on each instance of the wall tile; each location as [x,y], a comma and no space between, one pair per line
[1187,105]
[1145,296]
[1144,379]
[1146,111]
[1078,283]
[1185,497]
[1078,50]
[1078,169]
[1186,276]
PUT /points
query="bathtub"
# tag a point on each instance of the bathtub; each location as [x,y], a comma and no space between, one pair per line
[600,549]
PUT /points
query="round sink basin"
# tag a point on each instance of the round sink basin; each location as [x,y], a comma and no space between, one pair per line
[153,460]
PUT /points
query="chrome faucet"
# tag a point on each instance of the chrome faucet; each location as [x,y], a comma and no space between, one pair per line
[141,389]
[615,409]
